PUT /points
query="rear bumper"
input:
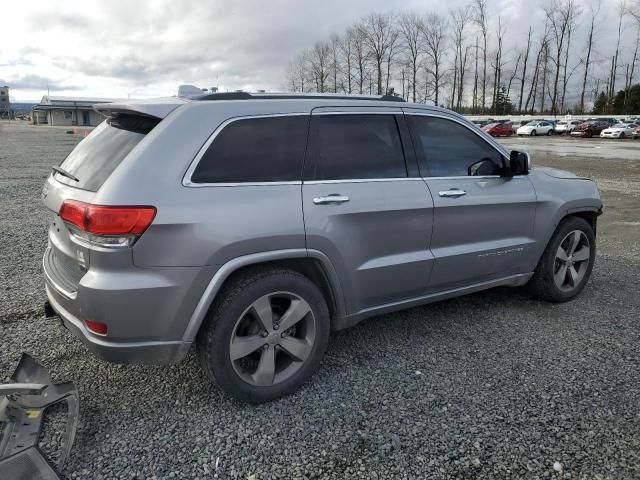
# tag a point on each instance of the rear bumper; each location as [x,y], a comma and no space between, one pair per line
[162,353]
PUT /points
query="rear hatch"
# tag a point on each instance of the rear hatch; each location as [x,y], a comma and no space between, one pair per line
[79,177]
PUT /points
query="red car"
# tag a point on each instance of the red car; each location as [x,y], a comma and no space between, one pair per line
[499,129]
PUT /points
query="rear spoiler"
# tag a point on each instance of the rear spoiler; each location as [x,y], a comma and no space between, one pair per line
[154,107]
[23,405]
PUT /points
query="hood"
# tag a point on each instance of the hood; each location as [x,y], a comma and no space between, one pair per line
[555,173]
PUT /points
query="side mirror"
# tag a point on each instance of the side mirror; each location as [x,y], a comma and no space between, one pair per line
[519,163]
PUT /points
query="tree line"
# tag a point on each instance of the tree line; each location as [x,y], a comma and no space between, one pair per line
[463,60]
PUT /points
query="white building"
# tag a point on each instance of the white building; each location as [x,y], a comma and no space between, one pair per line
[68,111]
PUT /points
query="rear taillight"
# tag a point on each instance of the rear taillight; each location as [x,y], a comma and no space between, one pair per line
[107,226]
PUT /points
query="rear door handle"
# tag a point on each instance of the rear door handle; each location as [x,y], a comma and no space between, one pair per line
[329,199]
[452,192]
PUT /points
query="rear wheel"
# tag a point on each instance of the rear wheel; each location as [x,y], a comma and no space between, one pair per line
[265,335]
[567,262]
[549,132]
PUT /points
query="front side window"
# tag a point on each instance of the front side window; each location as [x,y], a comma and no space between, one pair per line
[267,149]
[447,149]
[354,146]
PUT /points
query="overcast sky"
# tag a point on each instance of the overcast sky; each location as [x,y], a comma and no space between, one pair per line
[147,48]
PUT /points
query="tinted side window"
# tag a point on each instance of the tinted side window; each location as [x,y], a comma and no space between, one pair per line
[447,149]
[269,149]
[349,146]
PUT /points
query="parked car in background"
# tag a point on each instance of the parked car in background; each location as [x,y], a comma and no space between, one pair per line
[637,132]
[517,124]
[499,129]
[620,130]
[591,127]
[389,210]
[566,126]
[536,128]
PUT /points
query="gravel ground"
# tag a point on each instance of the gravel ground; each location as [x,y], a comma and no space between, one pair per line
[492,385]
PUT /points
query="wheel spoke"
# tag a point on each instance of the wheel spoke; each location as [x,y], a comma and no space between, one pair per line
[297,348]
[561,275]
[573,274]
[296,312]
[582,254]
[265,373]
[262,308]
[561,254]
[574,241]
[240,347]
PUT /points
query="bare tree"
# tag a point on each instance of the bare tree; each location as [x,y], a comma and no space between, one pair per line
[320,62]
[560,16]
[361,56]
[411,28]
[622,11]
[380,36]
[460,18]
[497,66]
[595,11]
[480,18]
[347,52]
[524,70]
[435,42]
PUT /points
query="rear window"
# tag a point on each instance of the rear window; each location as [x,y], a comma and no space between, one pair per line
[97,156]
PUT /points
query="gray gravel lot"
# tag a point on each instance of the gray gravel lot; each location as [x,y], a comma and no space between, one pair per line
[492,385]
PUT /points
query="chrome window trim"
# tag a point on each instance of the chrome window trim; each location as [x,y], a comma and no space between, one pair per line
[363,180]
[186,179]
[496,146]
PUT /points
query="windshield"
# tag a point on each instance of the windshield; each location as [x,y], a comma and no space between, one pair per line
[531,124]
[96,157]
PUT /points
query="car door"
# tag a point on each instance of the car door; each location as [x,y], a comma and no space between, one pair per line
[483,222]
[365,208]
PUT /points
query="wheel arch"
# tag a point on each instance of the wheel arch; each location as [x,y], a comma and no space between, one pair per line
[311,263]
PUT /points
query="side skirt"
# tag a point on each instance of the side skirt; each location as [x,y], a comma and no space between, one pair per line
[353,319]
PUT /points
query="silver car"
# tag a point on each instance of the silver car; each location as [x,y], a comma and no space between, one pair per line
[254,225]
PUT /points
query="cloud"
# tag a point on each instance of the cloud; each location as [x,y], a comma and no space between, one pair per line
[36,82]
[93,47]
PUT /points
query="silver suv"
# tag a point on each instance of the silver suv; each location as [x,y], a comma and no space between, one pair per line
[253,225]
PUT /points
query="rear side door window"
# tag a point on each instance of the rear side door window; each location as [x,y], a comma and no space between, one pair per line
[354,146]
[255,150]
[448,149]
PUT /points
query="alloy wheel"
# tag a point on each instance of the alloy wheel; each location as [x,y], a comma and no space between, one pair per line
[572,261]
[272,339]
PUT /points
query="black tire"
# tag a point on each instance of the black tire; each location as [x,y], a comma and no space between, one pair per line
[542,284]
[216,333]
[622,135]
[533,133]
[549,133]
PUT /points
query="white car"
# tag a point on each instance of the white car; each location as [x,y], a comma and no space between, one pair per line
[566,126]
[536,128]
[620,130]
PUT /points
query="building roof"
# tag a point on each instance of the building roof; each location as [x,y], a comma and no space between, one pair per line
[50,102]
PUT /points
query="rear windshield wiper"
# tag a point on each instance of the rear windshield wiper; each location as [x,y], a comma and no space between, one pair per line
[63,172]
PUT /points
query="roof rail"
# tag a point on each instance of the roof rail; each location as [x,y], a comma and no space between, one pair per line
[290,96]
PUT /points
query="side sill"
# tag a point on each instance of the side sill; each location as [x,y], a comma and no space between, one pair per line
[351,320]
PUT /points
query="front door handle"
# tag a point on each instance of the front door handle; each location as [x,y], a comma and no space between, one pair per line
[452,192]
[329,199]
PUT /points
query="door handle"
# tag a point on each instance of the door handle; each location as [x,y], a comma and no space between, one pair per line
[329,199]
[452,192]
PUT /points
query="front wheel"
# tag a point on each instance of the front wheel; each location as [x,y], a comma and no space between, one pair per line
[567,262]
[622,135]
[533,133]
[265,335]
